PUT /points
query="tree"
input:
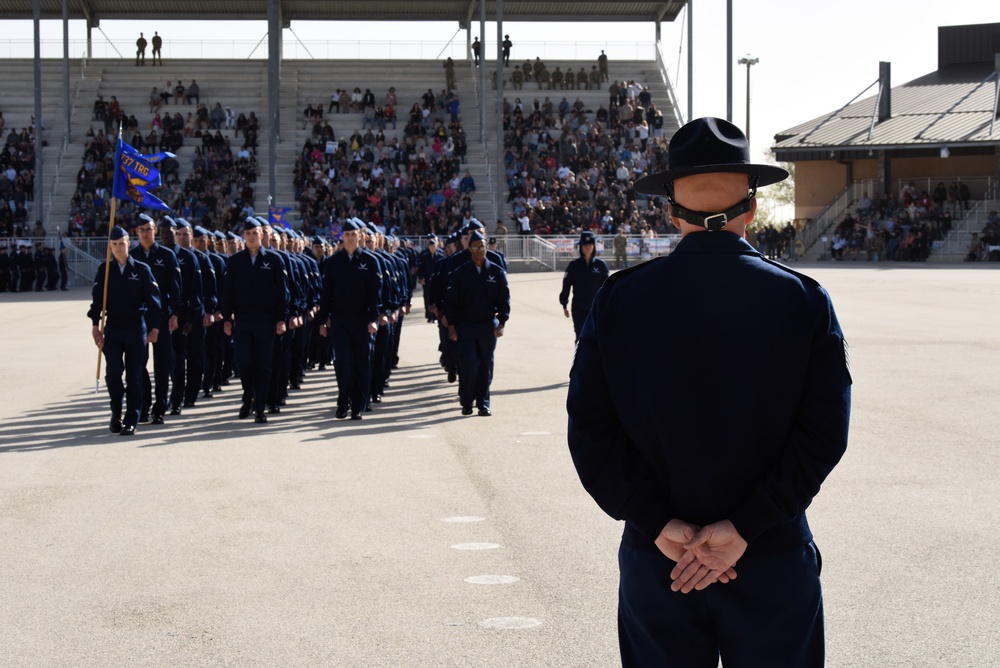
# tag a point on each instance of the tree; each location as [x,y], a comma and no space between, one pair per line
[776,203]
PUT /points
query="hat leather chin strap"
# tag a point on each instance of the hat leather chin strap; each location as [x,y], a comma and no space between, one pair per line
[713,222]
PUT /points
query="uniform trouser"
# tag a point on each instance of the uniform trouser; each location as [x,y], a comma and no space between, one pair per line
[213,356]
[40,280]
[27,280]
[318,346]
[189,364]
[476,344]
[352,348]
[279,369]
[579,317]
[397,333]
[427,303]
[163,366]
[380,358]
[4,281]
[52,280]
[63,278]
[125,352]
[300,339]
[770,615]
[254,343]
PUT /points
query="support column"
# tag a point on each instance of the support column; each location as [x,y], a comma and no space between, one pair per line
[498,178]
[690,20]
[65,20]
[483,96]
[729,60]
[37,211]
[273,93]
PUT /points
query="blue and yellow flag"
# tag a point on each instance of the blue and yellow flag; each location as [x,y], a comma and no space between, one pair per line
[135,176]
[277,215]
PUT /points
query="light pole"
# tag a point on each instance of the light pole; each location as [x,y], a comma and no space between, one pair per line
[748,61]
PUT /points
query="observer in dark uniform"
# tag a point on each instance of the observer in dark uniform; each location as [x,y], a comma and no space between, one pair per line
[163,263]
[712,453]
[477,306]
[349,311]
[584,276]
[256,299]
[133,302]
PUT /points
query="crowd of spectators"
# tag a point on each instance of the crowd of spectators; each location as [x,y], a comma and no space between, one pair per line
[892,228]
[411,184]
[217,192]
[570,167]
[17,181]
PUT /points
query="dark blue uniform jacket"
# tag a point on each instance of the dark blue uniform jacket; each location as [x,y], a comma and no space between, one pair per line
[710,384]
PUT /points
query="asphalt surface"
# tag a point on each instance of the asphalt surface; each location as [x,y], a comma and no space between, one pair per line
[419,537]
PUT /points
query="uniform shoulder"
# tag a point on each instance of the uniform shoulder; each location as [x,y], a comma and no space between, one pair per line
[635,271]
[806,280]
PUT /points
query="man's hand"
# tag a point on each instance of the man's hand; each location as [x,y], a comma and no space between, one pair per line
[373,328]
[322,331]
[280,327]
[708,556]
[98,336]
[498,332]
[152,335]
[674,537]
[566,312]
[452,333]
[172,323]
[208,320]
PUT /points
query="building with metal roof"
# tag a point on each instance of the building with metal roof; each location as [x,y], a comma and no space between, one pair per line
[942,125]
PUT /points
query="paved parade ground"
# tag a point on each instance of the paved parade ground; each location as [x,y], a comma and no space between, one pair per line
[419,537]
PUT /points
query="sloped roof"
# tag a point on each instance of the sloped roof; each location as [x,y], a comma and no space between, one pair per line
[349,10]
[952,106]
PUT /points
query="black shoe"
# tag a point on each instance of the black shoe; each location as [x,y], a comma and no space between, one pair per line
[368,408]
[377,399]
[322,366]
[294,385]
[188,404]
[245,410]
[144,418]
[466,410]
[157,419]
[116,425]
[127,430]
[260,418]
[207,394]
[355,416]
[484,412]
[452,377]
[217,388]
[273,409]
[175,411]
[341,413]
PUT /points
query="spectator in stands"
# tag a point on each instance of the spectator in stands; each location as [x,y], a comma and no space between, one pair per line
[193,93]
[217,118]
[178,93]
[155,101]
[230,118]
[166,93]
[201,117]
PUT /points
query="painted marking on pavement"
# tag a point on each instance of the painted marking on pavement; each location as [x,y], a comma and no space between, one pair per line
[476,546]
[492,579]
[536,433]
[467,518]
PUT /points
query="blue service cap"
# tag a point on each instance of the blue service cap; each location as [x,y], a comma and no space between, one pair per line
[169,222]
[475,224]
[183,223]
[431,238]
[586,237]
[476,236]
[351,225]
[250,223]
[117,232]
[317,240]
[218,234]
[232,236]
[199,231]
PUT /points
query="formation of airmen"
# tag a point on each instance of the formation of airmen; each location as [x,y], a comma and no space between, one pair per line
[24,270]
[272,305]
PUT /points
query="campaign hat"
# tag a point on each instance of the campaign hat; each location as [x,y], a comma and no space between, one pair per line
[706,146]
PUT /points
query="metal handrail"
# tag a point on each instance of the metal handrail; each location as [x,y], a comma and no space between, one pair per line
[671,93]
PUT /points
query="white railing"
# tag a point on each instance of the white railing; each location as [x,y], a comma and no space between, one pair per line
[671,93]
[294,49]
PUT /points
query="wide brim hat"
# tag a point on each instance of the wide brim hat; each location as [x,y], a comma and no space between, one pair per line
[707,146]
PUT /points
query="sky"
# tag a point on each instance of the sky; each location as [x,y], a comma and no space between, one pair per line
[814,57]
